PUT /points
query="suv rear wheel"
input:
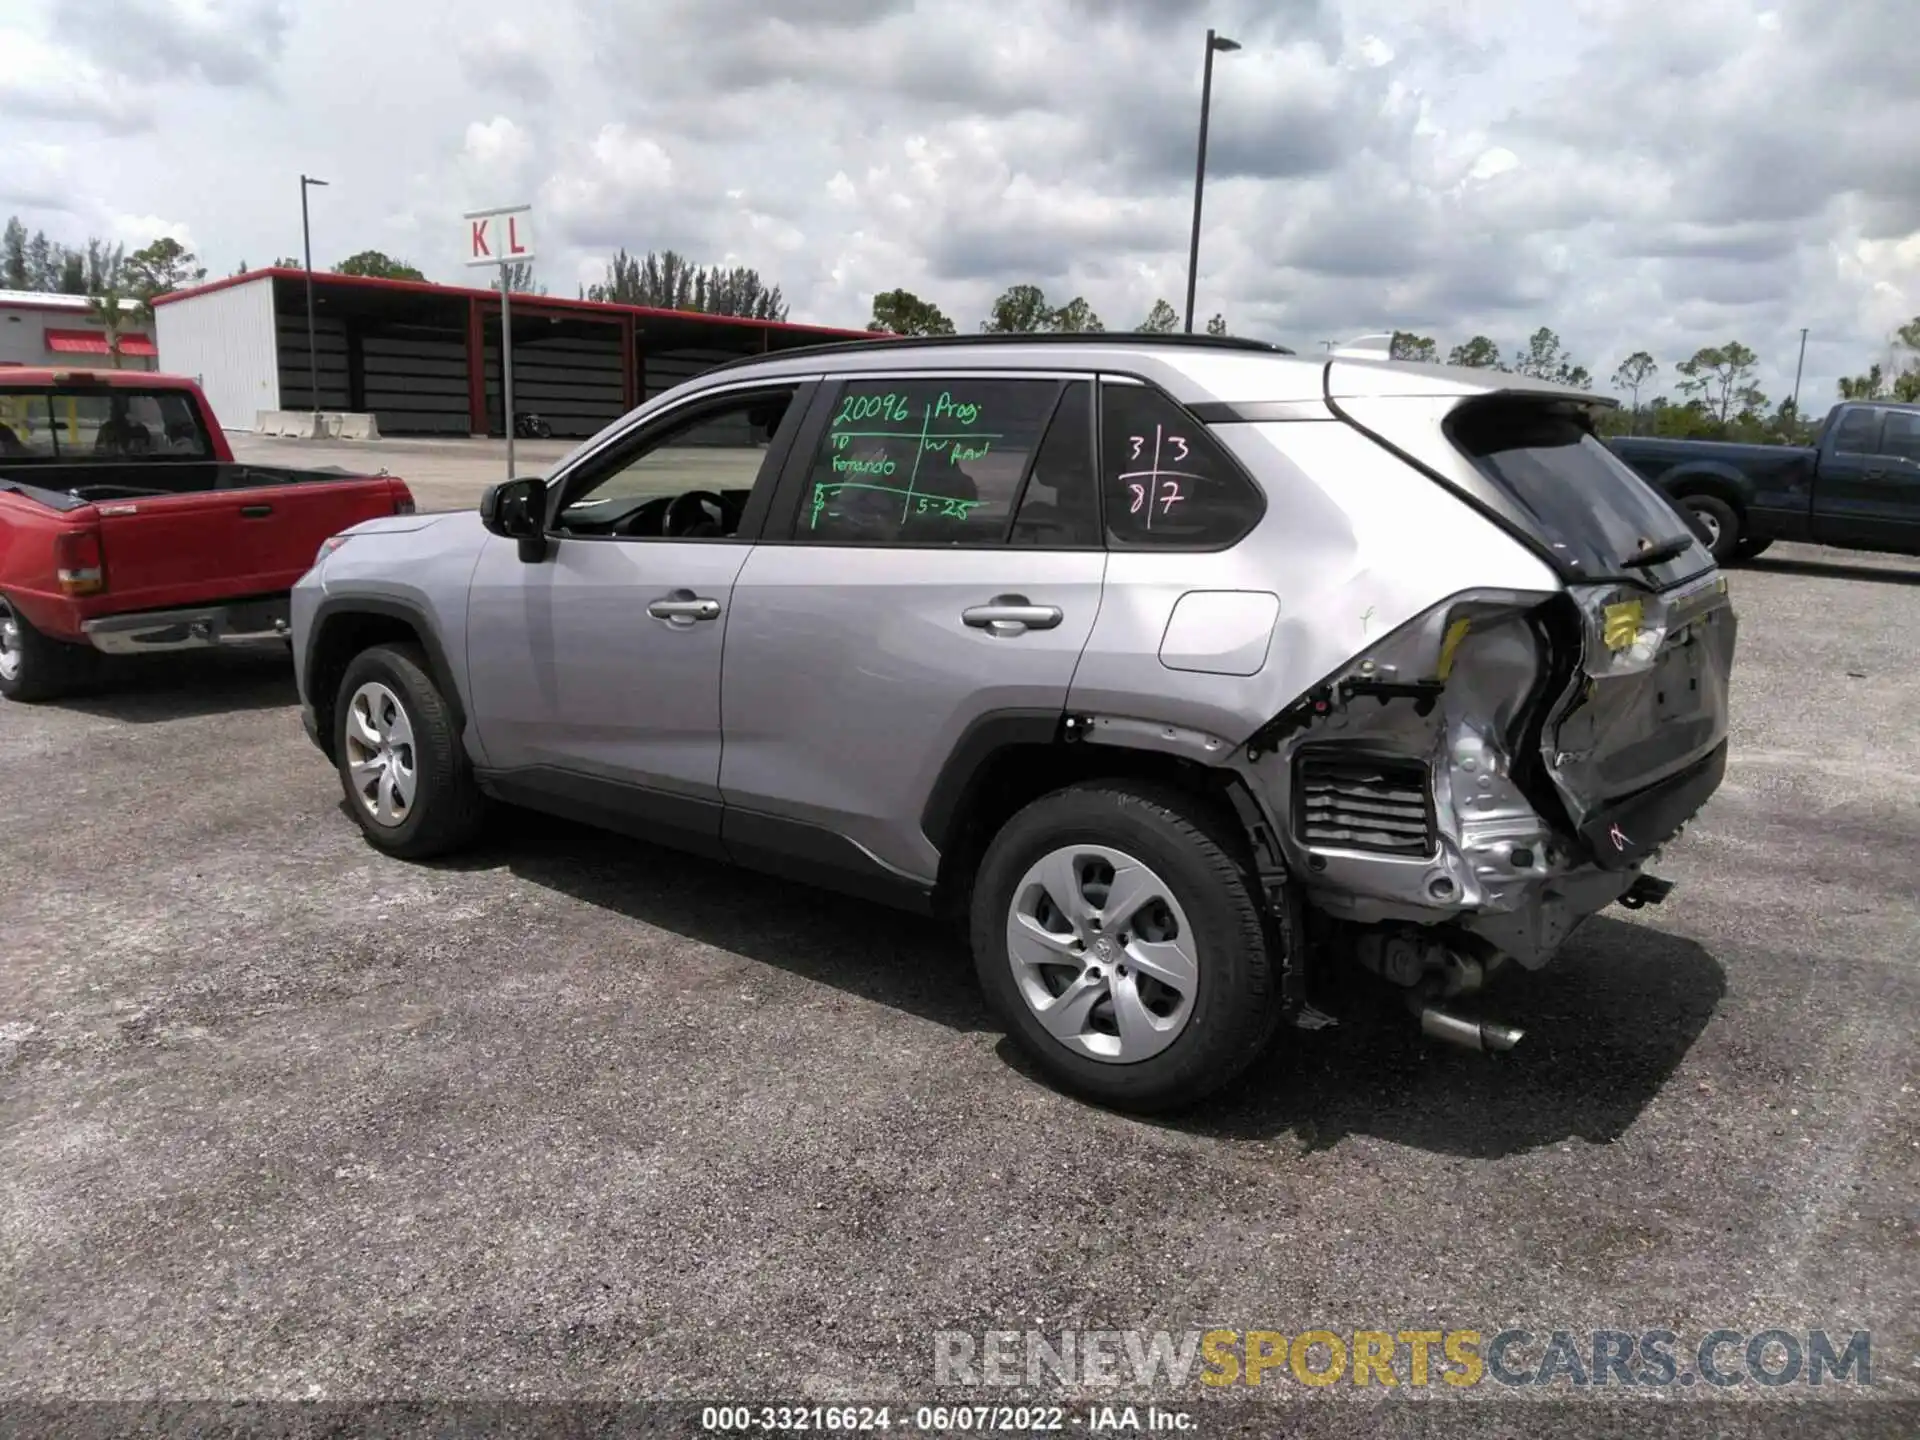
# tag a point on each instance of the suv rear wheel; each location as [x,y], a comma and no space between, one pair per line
[1116,933]
[401,763]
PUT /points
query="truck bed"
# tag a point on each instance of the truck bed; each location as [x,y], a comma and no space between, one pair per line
[67,486]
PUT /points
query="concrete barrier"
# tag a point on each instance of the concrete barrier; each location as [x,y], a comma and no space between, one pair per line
[321,425]
[294,424]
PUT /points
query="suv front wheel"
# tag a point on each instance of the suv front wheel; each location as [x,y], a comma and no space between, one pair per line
[402,766]
[1116,933]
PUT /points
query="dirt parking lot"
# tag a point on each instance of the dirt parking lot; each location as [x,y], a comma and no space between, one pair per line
[575,1117]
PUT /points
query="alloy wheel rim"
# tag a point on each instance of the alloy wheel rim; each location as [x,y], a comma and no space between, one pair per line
[1102,953]
[10,657]
[380,754]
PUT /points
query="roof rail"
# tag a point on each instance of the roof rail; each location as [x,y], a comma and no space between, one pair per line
[888,341]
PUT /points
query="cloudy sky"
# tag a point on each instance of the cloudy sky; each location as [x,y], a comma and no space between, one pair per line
[1635,173]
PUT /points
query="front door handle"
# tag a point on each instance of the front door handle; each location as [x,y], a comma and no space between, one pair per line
[683,608]
[1876,474]
[255,512]
[1011,615]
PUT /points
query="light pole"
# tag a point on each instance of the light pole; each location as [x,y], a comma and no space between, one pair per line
[1222,44]
[306,240]
[1798,366]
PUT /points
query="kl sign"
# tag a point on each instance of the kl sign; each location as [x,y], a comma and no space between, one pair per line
[496,237]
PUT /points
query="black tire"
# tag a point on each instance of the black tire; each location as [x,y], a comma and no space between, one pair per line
[42,668]
[1715,511]
[448,809]
[1751,549]
[1236,1007]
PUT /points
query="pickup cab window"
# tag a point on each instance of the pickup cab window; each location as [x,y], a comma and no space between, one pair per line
[1858,433]
[1901,439]
[101,422]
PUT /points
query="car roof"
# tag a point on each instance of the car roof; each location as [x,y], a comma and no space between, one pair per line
[1194,369]
[40,377]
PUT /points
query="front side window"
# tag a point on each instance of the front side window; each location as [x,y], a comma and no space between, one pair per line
[1167,482]
[1858,433]
[689,480]
[924,461]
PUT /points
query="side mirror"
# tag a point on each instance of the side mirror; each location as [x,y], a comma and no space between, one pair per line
[517,510]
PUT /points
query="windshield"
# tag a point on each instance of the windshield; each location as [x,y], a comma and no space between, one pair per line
[99,423]
[1586,502]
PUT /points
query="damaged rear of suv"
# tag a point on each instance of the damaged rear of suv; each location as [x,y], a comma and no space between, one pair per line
[1180,669]
[1505,763]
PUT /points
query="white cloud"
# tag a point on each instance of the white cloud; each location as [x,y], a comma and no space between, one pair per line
[1633,173]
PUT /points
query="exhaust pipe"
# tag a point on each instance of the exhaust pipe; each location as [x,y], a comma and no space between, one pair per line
[1471,1034]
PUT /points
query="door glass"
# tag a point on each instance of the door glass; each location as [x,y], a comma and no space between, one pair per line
[1857,432]
[923,461]
[707,461]
[1901,438]
[1060,508]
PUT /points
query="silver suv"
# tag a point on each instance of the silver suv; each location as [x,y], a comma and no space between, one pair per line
[1178,667]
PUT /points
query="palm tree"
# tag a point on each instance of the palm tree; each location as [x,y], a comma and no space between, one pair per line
[104,309]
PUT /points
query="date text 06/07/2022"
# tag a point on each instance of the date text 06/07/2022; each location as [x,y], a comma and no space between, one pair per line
[945,1419]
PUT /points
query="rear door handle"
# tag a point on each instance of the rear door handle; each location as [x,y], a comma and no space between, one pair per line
[683,608]
[1876,474]
[255,512]
[1011,615]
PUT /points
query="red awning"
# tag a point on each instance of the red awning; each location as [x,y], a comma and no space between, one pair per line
[94,342]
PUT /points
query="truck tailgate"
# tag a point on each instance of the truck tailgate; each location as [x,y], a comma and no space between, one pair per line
[209,545]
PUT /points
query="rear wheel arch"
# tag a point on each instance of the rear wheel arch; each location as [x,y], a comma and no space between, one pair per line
[344,628]
[1010,759]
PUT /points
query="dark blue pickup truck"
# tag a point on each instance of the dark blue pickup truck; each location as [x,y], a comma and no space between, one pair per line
[1858,486]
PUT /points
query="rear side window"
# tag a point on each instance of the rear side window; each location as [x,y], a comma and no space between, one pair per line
[1589,505]
[1166,482]
[1902,436]
[939,461]
[26,427]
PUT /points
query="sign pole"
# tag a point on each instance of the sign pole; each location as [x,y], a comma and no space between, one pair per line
[506,362]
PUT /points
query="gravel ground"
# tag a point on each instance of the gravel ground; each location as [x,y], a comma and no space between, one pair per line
[576,1118]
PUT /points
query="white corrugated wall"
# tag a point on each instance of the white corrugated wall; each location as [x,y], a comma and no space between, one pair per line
[225,339]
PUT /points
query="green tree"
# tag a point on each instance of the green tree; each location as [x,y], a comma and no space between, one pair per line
[1721,376]
[1162,319]
[1870,386]
[1409,346]
[902,312]
[1906,377]
[13,256]
[161,268]
[667,280]
[1634,372]
[73,272]
[1217,325]
[378,266]
[1021,309]
[44,260]
[1545,358]
[106,307]
[1479,353]
[1076,317]
[289,262]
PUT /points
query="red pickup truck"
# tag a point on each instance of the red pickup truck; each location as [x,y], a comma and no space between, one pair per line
[126,525]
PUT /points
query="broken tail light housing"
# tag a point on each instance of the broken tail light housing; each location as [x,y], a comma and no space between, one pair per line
[79,566]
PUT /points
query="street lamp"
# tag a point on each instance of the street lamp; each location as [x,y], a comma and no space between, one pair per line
[306,239]
[1222,44]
